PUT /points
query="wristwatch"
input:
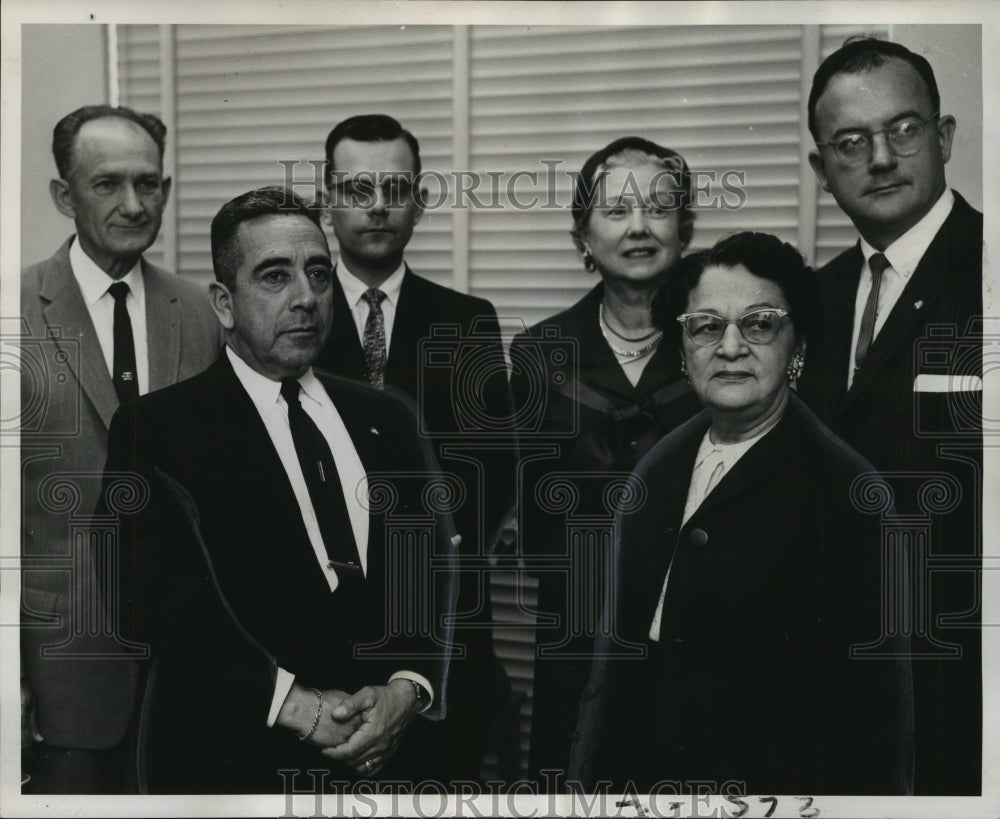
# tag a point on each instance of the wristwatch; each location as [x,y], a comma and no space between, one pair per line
[423,698]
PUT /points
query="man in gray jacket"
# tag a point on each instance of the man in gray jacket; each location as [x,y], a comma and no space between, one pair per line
[100,326]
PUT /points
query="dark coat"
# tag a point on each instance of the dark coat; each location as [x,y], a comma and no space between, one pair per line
[219,577]
[583,427]
[773,579]
[81,678]
[929,447]
[445,353]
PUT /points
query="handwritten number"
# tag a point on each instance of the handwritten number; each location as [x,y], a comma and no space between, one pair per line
[741,807]
[807,811]
[774,803]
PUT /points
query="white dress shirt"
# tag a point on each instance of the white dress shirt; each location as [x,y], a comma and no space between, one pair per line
[94,284]
[354,291]
[711,464]
[904,255]
[314,399]
[266,397]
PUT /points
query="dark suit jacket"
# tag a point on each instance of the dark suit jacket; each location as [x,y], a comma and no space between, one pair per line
[445,353]
[923,441]
[203,726]
[584,426]
[772,580]
[67,399]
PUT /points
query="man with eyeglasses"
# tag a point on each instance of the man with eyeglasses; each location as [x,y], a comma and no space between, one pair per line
[394,328]
[900,354]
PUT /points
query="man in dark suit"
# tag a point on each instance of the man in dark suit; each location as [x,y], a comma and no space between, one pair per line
[100,326]
[443,349]
[283,539]
[898,370]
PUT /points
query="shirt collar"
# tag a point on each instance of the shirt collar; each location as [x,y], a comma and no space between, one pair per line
[354,288]
[311,388]
[906,252]
[730,453]
[265,392]
[94,282]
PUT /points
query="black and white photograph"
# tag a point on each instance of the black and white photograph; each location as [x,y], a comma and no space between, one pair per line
[499,409]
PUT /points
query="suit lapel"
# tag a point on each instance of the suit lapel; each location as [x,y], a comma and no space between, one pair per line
[650,567]
[366,438]
[242,437]
[603,371]
[343,353]
[924,288]
[69,322]
[163,328]
[254,485]
[753,470]
[364,434]
[842,291]
[411,324]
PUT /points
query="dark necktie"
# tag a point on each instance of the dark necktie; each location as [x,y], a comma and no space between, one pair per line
[878,263]
[123,371]
[325,489]
[375,338]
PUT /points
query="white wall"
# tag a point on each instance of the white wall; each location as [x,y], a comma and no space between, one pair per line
[64,67]
[955,53]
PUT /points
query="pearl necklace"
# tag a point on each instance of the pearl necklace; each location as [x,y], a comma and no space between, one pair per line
[636,352]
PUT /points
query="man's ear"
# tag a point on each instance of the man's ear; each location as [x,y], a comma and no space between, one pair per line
[222,303]
[817,165]
[946,133]
[59,191]
[165,186]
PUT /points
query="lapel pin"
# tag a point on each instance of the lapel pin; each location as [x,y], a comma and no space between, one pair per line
[374,431]
[917,305]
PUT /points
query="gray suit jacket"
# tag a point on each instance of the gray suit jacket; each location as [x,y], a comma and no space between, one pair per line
[75,662]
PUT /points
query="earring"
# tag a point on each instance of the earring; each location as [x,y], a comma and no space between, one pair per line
[588,260]
[796,366]
[684,370]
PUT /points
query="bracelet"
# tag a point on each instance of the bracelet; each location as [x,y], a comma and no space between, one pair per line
[319,712]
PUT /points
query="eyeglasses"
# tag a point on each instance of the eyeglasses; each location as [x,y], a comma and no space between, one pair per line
[904,138]
[757,326]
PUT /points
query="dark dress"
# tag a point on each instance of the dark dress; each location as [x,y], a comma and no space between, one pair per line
[583,427]
[774,671]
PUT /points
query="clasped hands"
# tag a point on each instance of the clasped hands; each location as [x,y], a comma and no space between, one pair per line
[361,730]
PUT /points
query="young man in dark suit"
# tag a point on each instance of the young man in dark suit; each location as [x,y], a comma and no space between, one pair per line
[101,326]
[285,534]
[897,372]
[442,348]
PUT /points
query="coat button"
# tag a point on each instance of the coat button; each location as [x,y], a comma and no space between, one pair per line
[698,538]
